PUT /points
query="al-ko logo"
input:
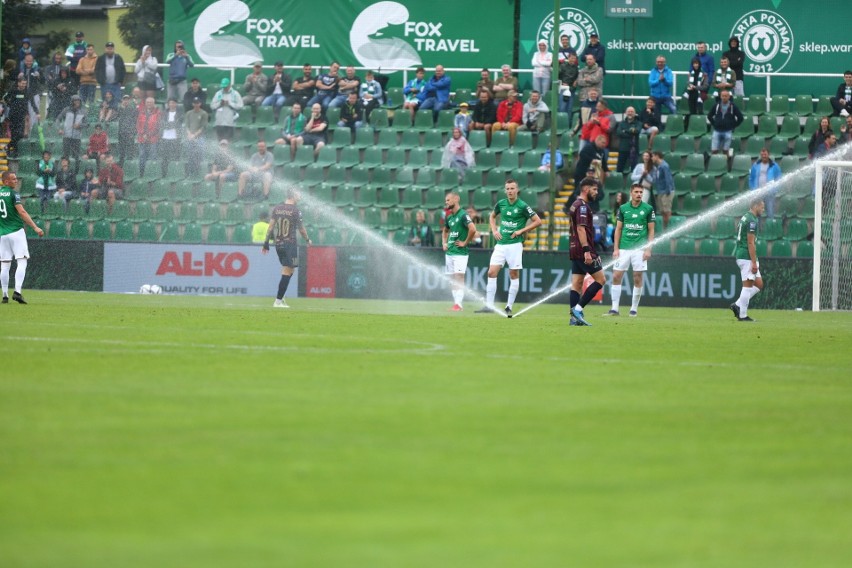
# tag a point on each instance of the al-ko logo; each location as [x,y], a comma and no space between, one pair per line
[217,44]
[381,34]
[766,39]
[233,264]
[574,23]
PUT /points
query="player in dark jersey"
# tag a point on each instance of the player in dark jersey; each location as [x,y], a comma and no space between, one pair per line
[584,258]
[286,220]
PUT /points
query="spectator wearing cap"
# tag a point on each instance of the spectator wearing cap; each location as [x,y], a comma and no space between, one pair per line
[223,168]
[26,48]
[128,113]
[255,87]
[86,72]
[74,53]
[463,118]
[195,124]
[226,105]
[510,115]
[146,72]
[279,88]
[596,48]
[179,62]
[195,92]
[349,83]
[542,64]
[110,71]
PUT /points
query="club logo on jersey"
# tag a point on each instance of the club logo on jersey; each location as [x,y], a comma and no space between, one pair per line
[574,23]
[767,40]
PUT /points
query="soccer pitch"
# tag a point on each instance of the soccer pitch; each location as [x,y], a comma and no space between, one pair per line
[170,431]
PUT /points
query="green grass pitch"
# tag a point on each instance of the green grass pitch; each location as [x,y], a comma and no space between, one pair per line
[140,431]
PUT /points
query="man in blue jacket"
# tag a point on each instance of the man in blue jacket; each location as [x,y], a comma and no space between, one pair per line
[436,94]
[660,81]
[765,171]
[724,117]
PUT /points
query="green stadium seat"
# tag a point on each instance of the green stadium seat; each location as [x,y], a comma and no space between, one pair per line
[512,159]
[684,146]
[802,186]
[217,233]
[779,105]
[120,211]
[714,200]
[146,232]
[753,146]
[797,229]
[53,209]
[781,248]
[159,191]
[698,126]
[188,212]
[191,233]
[808,208]
[778,146]
[79,229]
[164,213]
[684,245]
[694,165]
[387,139]
[761,247]
[462,96]
[304,156]
[241,235]
[142,211]
[446,121]
[418,158]
[562,121]
[724,227]
[705,184]
[756,105]
[741,166]
[746,129]
[804,105]
[102,230]
[772,229]
[366,196]
[331,237]
[500,140]
[767,127]
[483,199]
[434,198]
[790,128]
[805,249]
[564,243]
[699,229]
[433,140]
[674,127]
[373,216]
[486,159]
[412,197]
[395,218]
[58,229]
[379,119]
[423,120]
[823,107]
[74,209]
[524,140]
[124,231]
[476,139]
[717,165]
[709,247]
[787,205]
[394,97]
[326,157]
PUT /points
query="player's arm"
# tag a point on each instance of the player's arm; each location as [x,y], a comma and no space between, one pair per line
[646,254]
[471,234]
[584,243]
[616,238]
[532,223]
[752,252]
[269,232]
[445,235]
[28,220]
[492,220]
[304,233]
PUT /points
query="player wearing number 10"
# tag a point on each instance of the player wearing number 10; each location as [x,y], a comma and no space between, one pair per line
[13,239]
[746,255]
[634,228]
[286,220]
[458,231]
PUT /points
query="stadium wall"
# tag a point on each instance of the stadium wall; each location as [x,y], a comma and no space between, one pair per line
[372,273]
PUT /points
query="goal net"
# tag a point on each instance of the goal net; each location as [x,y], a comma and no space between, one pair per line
[832,277]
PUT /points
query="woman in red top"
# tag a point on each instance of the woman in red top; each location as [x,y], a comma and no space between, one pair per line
[98,143]
[147,132]
[599,124]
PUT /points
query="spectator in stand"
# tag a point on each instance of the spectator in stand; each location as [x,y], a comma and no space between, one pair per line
[661,82]
[51,76]
[46,180]
[463,119]
[109,108]
[664,188]
[504,84]
[411,92]
[9,76]
[458,154]
[73,123]
[255,87]
[827,145]
[841,102]
[724,118]
[628,140]
[74,53]
[171,129]
[697,84]
[349,83]
[303,87]
[25,49]
[846,131]
[436,94]
[146,72]
[128,113]
[370,92]
[600,123]
[98,143]
[736,59]
[565,49]
[66,181]
[110,72]
[224,168]
[589,77]
[226,104]
[724,79]
[822,132]
[542,64]
[179,62]
[259,171]
[587,107]
[352,113]
[61,94]
[708,64]
[326,86]
[110,182]
[485,83]
[544,164]
[568,73]
[20,104]
[148,132]
[651,122]
[294,127]
[86,75]
[484,115]
[763,172]
[32,75]
[420,234]
[195,92]
[259,229]
[596,48]
[315,130]
[510,115]
[279,89]
[590,156]
[535,113]
[88,185]
[195,126]
[645,174]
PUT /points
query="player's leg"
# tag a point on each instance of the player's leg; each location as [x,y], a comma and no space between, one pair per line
[4,279]
[288,259]
[619,268]
[639,265]
[577,275]
[595,270]
[498,259]
[514,286]
[20,274]
[515,262]
[752,284]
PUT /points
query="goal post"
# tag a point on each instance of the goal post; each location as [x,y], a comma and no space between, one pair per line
[832,234]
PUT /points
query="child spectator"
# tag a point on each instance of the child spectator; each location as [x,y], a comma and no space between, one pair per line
[98,143]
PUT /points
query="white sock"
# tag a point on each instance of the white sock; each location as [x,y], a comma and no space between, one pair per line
[490,291]
[20,274]
[615,289]
[458,297]
[4,277]
[637,295]
[745,296]
[514,286]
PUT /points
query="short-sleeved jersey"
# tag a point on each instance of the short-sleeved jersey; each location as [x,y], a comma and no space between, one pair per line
[285,223]
[457,230]
[581,220]
[513,217]
[747,224]
[10,220]
[634,224]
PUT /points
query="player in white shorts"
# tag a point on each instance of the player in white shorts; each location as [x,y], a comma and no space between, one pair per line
[516,219]
[13,240]
[458,231]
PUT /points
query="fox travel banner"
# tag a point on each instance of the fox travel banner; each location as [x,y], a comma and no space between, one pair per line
[364,33]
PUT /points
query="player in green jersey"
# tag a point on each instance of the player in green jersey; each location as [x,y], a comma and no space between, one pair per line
[458,231]
[746,255]
[516,219]
[13,239]
[634,228]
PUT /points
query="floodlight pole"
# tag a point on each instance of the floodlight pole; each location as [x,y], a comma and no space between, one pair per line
[554,115]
